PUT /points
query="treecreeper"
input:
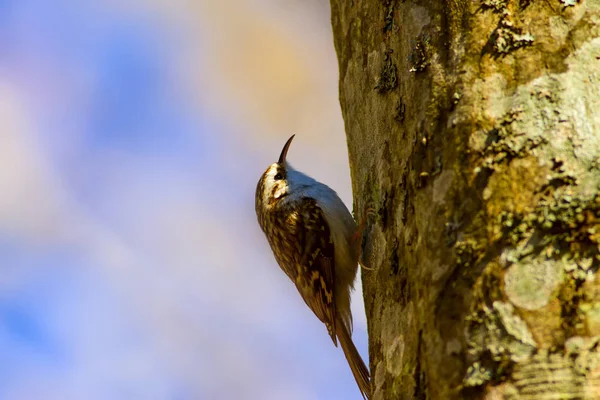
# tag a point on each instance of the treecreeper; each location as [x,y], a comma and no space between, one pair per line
[316,242]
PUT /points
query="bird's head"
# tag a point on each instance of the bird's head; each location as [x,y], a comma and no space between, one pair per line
[276,182]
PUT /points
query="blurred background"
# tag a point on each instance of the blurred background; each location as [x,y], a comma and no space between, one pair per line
[132,136]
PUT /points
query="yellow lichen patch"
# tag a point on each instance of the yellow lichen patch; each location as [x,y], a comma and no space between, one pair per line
[589,307]
[513,188]
[545,324]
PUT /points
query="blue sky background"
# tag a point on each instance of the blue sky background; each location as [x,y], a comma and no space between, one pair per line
[133,134]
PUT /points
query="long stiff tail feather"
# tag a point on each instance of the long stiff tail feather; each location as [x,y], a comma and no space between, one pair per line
[357,365]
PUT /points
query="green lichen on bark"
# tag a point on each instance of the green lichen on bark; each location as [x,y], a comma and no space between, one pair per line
[495,5]
[388,77]
[419,57]
[508,37]
[388,12]
[498,338]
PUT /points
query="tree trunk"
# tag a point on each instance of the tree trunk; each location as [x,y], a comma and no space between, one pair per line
[474,133]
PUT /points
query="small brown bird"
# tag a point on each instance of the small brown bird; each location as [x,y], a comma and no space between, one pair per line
[313,237]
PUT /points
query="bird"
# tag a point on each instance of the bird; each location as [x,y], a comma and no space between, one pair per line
[313,236]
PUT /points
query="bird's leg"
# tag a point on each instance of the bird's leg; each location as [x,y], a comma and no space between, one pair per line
[356,241]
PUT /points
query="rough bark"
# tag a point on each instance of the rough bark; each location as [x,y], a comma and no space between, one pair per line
[474,133]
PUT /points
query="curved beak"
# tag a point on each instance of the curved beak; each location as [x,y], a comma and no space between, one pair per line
[285,150]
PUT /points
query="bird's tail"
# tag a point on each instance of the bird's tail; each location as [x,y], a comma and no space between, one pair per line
[357,365]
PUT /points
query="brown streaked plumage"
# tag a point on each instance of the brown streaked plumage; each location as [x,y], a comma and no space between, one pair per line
[311,232]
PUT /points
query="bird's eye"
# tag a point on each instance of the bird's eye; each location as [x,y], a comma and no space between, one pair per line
[278,177]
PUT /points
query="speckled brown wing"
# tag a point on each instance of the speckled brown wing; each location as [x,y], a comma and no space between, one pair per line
[315,278]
